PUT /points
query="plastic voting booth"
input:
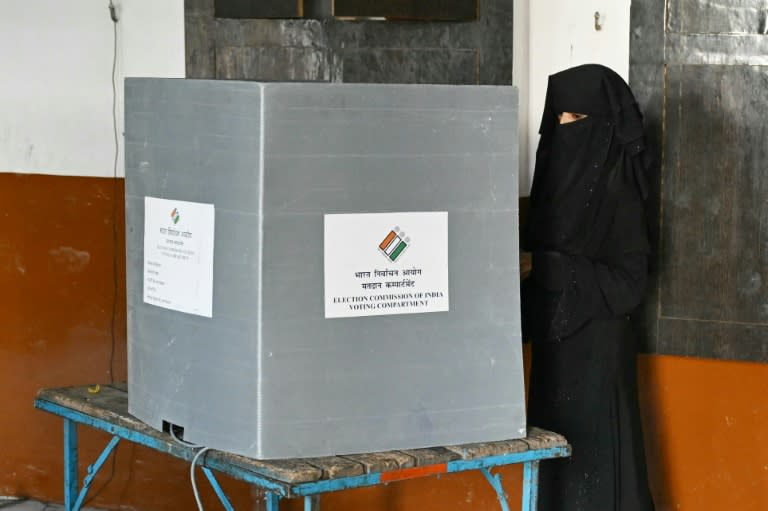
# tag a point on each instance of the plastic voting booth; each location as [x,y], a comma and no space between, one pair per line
[318,269]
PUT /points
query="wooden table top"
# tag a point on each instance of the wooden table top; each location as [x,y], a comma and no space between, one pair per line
[110,404]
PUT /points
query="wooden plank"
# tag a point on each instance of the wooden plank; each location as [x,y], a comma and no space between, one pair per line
[286,471]
[431,456]
[542,439]
[714,339]
[407,9]
[455,66]
[483,449]
[258,9]
[383,461]
[111,405]
[711,281]
[272,64]
[334,467]
[701,17]
[121,385]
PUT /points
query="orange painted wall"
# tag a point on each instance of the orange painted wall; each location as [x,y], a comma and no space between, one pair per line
[706,428]
[706,421]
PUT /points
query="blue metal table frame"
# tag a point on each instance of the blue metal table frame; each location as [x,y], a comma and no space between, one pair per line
[541,446]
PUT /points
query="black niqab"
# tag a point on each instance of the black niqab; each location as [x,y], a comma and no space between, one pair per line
[576,161]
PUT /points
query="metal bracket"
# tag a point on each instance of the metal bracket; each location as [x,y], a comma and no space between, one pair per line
[70,467]
[530,485]
[495,481]
[217,488]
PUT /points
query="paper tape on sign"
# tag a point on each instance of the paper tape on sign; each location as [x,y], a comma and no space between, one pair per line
[385,263]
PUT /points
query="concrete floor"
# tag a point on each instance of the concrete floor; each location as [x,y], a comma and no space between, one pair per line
[33,505]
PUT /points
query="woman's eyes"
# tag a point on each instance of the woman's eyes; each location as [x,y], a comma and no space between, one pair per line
[567,117]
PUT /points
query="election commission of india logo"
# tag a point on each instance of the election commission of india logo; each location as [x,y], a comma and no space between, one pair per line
[175,216]
[393,245]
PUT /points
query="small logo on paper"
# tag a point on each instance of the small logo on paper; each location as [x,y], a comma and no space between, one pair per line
[393,245]
[175,216]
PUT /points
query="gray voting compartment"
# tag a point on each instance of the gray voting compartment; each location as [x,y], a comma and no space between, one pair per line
[265,373]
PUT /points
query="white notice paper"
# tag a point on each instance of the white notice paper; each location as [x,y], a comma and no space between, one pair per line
[385,263]
[178,255]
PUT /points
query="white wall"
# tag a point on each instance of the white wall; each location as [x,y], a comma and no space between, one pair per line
[552,35]
[56,85]
[520,66]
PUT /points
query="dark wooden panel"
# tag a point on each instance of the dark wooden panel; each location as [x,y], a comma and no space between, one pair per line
[700,75]
[714,228]
[362,52]
[272,64]
[646,77]
[714,339]
[200,45]
[397,65]
[259,8]
[198,7]
[408,9]
[706,16]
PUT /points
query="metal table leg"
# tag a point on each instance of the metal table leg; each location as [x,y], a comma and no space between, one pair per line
[73,500]
[530,485]
[312,503]
[70,464]
[273,501]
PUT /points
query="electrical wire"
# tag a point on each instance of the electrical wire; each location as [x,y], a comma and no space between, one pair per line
[192,476]
[192,467]
[113,318]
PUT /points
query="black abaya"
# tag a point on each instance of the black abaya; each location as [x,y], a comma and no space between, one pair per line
[585,388]
[588,236]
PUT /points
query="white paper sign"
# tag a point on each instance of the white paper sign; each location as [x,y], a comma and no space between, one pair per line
[178,255]
[385,263]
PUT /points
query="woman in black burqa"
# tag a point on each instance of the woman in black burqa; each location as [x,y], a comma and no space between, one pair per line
[589,241]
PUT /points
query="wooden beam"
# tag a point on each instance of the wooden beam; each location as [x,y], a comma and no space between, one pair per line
[259,8]
[408,9]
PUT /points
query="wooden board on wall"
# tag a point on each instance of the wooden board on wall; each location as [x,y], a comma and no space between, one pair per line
[366,51]
[259,8]
[408,9]
[700,91]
